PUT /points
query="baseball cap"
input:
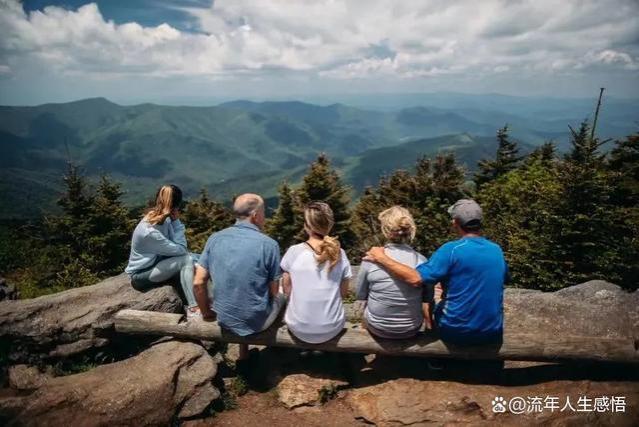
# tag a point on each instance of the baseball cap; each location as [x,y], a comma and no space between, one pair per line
[467,212]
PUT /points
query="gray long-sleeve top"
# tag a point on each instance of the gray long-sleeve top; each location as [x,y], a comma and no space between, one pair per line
[152,241]
[392,306]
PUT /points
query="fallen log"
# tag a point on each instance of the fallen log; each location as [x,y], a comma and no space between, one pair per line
[355,339]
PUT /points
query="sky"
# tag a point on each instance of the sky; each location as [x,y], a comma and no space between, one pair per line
[190,51]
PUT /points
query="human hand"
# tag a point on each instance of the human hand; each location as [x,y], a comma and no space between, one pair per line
[175,214]
[375,254]
[428,323]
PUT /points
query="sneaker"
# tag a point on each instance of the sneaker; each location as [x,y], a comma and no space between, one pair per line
[193,314]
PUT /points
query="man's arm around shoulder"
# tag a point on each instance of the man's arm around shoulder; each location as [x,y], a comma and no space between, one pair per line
[396,269]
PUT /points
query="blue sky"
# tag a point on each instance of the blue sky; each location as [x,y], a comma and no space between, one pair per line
[192,50]
[148,13]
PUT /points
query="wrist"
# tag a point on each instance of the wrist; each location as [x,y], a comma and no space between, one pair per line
[383,259]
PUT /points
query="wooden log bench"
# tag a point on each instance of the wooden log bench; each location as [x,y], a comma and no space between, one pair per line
[355,339]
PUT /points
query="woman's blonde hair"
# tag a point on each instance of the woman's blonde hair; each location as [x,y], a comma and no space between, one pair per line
[398,225]
[168,197]
[318,219]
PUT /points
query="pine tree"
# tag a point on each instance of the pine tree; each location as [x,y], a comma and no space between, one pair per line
[322,183]
[202,217]
[427,194]
[545,153]
[71,228]
[590,233]
[282,226]
[365,224]
[624,163]
[520,215]
[91,236]
[505,160]
[107,247]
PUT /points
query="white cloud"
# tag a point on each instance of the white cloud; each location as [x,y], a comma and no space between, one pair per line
[331,39]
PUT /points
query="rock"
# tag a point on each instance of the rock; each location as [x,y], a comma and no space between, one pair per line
[74,321]
[595,308]
[23,377]
[302,390]
[413,402]
[168,381]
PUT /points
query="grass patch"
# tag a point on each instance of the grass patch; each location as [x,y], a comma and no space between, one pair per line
[239,386]
[62,369]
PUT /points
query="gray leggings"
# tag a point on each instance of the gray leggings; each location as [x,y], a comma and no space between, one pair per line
[165,270]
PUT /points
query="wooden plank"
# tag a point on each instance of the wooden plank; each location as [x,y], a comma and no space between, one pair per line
[357,340]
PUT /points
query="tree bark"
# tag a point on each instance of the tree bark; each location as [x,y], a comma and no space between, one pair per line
[357,340]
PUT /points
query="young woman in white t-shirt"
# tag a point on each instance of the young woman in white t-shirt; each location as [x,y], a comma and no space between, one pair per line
[316,277]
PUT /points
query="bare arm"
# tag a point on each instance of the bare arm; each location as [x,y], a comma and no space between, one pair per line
[201,293]
[396,269]
[427,315]
[287,284]
[344,287]
[274,288]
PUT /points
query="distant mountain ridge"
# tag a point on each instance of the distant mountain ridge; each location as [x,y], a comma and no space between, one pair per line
[233,147]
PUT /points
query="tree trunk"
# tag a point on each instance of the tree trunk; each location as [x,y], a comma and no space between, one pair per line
[355,339]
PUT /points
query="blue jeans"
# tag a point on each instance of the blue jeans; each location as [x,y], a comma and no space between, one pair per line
[167,269]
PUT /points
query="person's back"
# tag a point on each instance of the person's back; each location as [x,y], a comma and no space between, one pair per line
[472,308]
[393,308]
[316,276]
[243,264]
[315,312]
[472,272]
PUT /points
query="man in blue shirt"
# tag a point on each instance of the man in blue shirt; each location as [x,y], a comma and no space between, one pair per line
[472,271]
[243,264]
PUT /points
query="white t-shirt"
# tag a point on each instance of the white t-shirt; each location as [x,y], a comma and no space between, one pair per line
[315,312]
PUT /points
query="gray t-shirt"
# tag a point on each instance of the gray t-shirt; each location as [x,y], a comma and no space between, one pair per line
[393,306]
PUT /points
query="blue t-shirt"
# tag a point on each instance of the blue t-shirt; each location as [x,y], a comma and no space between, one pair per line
[242,262]
[473,271]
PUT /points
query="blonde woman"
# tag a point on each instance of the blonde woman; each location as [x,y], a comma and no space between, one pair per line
[393,308]
[159,250]
[316,277]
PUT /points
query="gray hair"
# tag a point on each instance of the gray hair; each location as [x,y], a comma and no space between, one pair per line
[246,205]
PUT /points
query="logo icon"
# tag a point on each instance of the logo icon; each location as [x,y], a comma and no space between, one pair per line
[498,405]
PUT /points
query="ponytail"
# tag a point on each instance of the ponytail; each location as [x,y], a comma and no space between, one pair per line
[330,250]
[318,219]
[168,197]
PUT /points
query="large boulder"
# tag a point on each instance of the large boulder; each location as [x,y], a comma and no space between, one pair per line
[74,321]
[595,309]
[412,402]
[171,380]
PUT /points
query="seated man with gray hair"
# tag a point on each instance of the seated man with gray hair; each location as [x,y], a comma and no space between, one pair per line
[243,264]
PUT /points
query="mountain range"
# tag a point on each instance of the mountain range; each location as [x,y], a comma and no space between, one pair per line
[243,145]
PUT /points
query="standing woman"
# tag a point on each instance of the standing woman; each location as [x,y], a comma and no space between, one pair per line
[158,248]
[316,277]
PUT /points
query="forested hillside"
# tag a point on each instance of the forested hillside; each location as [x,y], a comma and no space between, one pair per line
[75,177]
[240,146]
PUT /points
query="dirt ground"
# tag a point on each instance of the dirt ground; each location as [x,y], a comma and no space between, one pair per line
[256,409]
[261,407]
